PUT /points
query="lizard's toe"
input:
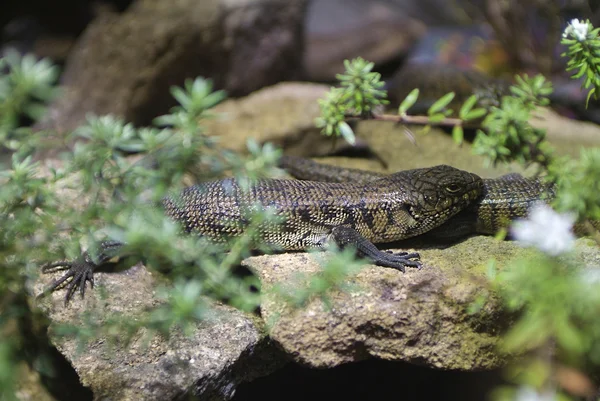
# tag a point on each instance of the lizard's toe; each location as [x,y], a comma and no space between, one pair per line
[78,272]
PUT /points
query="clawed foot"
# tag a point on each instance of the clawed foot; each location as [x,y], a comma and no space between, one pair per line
[348,236]
[79,271]
[399,260]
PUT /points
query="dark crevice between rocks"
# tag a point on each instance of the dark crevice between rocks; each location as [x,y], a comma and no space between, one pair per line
[371,379]
[254,362]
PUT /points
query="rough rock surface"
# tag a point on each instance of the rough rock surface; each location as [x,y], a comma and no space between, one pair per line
[226,349]
[125,63]
[419,316]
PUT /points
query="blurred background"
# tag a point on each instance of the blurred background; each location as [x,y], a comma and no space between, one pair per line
[131,51]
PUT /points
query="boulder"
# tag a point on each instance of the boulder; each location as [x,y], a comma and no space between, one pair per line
[124,64]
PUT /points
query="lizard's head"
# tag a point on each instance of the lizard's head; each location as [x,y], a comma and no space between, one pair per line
[438,193]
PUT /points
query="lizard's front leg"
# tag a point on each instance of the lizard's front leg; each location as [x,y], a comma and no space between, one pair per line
[345,236]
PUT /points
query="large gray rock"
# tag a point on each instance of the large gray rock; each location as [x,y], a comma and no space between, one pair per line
[227,348]
[124,64]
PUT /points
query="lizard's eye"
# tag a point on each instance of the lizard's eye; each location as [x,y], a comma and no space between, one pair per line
[453,188]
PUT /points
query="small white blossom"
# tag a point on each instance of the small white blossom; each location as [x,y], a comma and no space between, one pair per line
[576,29]
[545,229]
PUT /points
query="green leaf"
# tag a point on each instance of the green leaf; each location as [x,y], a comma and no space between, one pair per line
[347,132]
[181,96]
[458,134]
[475,114]
[134,146]
[582,71]
[590,93]
[214,98]
[409,101]
[441,103]
[35,111]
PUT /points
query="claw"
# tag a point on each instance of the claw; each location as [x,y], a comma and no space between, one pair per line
[57,266]
[79,271]
[399,260]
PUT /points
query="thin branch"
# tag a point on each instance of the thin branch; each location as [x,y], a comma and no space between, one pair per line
[416,120]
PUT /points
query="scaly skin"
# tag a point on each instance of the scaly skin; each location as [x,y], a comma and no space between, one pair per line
[502,200]
[392,208]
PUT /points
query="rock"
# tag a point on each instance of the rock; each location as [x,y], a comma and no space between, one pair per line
[420,316]
[124,64]
[380,31]
[376,30]
[283,114]
[405,147]
[226,349]
[568,136]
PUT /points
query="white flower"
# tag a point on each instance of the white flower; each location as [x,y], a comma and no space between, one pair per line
[545,229]
[576,29]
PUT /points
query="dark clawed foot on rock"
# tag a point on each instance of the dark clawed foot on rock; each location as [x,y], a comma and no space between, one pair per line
[79,271]
[399,260]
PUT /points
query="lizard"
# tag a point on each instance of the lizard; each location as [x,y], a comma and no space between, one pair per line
[349,214]
[502,200]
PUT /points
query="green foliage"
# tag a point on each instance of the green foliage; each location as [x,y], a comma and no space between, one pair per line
[584,55]
[23,93]
[556,301]
[195,102]
[23,195]
[578,186]
[362,87]
[507,135]
[467,113]
[533,92]
[358,95]
[556,297]
[7,370]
